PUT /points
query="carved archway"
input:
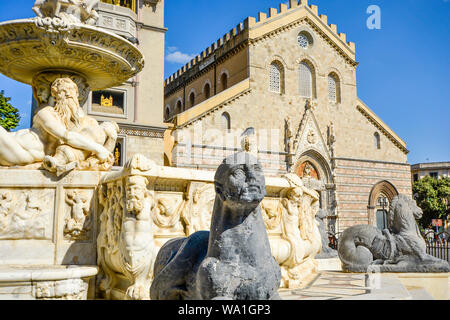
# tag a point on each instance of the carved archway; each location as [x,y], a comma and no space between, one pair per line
[317,162]
[315,172]
[382,188]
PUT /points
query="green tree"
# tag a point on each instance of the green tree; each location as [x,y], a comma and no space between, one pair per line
[433,198]
[9,116]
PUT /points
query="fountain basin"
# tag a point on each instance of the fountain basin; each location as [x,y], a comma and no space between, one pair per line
[49,282]
[32,46]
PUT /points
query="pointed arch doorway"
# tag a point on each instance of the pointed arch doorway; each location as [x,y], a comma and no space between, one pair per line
[380,198]
[315,172]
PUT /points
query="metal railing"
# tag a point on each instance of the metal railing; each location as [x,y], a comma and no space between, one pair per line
[438,245]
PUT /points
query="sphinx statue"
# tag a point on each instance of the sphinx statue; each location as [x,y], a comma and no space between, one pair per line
[62,137]
[233,261]
[400,248]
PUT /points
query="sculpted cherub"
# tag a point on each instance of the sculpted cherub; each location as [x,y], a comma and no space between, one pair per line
[73,11]
[291,221]
[79,217]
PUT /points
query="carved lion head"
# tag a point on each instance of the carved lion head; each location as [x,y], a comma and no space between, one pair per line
[403,213]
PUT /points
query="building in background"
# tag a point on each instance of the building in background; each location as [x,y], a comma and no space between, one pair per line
[137,105]
[436,170]
[292,76]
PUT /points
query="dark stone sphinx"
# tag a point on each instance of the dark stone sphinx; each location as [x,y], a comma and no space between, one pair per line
[234,260]
[400,248]
[326,252]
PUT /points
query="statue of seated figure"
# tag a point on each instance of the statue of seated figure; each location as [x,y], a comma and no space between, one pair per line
[234,260]
[61,137]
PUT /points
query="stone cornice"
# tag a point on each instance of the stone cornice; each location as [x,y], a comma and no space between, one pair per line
[371,161]
[431,166]
[141,131]
[209,106]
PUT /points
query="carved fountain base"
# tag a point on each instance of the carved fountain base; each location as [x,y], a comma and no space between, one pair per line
[48,230]
[47,282]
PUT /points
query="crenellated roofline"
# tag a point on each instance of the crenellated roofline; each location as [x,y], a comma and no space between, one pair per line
[252,30]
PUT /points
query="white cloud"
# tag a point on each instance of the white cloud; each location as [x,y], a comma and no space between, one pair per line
[179,57]
[172,49]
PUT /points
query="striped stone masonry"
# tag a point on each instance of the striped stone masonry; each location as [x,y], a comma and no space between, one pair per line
[355,183]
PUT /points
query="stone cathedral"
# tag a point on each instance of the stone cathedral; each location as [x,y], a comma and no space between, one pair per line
[118,162]
[292,76]
[287,73]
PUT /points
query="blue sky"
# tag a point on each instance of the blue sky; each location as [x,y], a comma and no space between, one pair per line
[404,71]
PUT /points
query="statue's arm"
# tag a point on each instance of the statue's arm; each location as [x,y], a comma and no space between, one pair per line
[76,140]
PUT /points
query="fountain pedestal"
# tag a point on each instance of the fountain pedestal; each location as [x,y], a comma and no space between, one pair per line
[49,173]
[48,230]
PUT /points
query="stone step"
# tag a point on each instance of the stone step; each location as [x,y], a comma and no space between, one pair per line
[420,294]
[383,287]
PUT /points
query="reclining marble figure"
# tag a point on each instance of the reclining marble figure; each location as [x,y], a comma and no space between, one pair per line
[400,248]
[62,136]
[231,262]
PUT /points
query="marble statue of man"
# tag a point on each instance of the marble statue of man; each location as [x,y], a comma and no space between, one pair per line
[53,126]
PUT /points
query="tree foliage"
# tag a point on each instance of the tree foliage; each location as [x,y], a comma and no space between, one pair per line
[9,116]
[433,197]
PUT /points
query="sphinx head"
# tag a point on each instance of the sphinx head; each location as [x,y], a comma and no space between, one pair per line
[240,182]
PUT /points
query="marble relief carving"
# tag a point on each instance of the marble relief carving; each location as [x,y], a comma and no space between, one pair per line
[78,218]
[26,214]
[71,289]
[126,241]
[197,217]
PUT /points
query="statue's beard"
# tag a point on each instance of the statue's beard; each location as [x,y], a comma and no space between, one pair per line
[135,205]
[65,107]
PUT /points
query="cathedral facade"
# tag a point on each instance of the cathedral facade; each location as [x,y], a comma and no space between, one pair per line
[291,76]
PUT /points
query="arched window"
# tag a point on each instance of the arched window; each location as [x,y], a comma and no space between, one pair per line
[305,76]
[226,121]
[167,112]
[304,40]
[207,90]
[377,141]
[276,77]
[179,106]
[192,99]
[224,81]
[333,88]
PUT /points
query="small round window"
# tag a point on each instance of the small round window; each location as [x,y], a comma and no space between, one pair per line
[304,40]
